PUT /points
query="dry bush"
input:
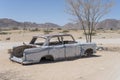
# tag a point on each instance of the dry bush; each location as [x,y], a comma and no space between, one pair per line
[34,30]
[47,31]
[79,37]
[65,31]
[59,28]
[103,37]
[10,51]
[4,33]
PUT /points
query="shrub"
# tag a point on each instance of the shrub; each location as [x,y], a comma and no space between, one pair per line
[47,31]
[79,37]
[36,29]
[93,34]
[74,29]
[4,33]
[111,29]
[65,31]
[15,28]
[59,28]
[103,37]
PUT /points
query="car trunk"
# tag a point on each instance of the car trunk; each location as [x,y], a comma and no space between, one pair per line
[18,51]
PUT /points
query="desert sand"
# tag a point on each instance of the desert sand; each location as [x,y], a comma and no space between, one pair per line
[104,65]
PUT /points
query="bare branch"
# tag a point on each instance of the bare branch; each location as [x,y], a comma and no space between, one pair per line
[88,13]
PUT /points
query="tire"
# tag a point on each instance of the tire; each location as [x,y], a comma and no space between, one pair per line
[47,58]
[89,52]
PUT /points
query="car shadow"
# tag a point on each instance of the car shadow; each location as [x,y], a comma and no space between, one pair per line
[92,56]
[63,60]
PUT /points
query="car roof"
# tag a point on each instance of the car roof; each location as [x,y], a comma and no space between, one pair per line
[51,35]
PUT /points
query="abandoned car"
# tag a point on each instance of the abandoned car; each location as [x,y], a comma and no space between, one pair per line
[51,47]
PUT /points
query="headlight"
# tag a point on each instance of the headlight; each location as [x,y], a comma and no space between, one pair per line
[24,57]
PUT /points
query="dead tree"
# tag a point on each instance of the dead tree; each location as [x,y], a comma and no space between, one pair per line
[88,13]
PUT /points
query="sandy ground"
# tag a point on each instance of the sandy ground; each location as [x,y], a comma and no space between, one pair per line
[104,65]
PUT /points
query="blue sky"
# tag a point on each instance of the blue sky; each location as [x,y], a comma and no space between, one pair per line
[42,11]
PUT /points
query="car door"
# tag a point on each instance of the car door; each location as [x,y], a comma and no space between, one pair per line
[72,48]
[57,49]
[58,52]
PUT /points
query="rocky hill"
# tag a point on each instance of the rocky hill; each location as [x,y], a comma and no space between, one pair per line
[72,26]
[111,24]
[107,24]
[9,23]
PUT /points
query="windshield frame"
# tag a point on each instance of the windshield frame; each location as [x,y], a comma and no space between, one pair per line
[35,38]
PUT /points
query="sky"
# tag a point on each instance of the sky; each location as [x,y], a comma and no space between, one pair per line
[42,11]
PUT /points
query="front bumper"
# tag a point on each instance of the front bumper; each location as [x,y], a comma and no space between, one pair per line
[19,60]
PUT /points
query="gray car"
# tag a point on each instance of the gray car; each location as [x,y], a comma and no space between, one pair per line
[51,47]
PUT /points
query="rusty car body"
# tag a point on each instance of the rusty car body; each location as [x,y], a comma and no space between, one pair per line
[51,47]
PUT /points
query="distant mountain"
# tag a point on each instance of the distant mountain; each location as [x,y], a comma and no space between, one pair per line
[107,24]
[9,23]
[72,26]
[49,25]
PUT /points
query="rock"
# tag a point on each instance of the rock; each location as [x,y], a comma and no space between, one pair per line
[100,48]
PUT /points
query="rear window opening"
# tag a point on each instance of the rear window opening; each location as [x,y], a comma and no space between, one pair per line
[69,42]
[59,40]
